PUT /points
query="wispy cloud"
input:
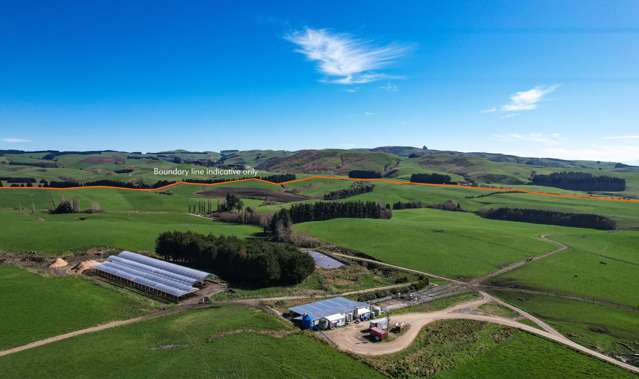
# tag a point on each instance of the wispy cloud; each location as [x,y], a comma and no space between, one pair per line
[389,87]
[542,138]
[527,100]
[345,59]
[369,114]
[622,137]
[524,100]
[14,140]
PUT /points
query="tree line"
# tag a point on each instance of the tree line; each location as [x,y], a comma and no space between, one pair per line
[433,178]
[279,178]
[364,174]
[280,224]
[538,216]
[580,181]
[251,261]
[356,188]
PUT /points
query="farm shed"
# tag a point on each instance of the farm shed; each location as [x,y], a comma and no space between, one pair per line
[153,276]
[330,313]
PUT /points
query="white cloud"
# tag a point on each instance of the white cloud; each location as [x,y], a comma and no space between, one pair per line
[527,100]
[15,140]
[542,138]
[622,137]
[351,89]
[369,114]
[389,87]
[344,59]
[524,100]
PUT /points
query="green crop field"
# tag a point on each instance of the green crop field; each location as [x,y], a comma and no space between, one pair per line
[229,342]
[600,265]
[36,307]
[454,244]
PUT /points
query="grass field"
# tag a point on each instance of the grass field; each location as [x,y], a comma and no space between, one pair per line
[453,244]
[471,349]
[228,342]
[54,234]
[36,307]
[603,328]
[525,356]
[600,265]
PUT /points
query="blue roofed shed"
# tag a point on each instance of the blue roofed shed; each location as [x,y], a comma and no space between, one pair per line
[329,313]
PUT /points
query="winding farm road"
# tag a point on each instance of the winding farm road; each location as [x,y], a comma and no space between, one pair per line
[350,338]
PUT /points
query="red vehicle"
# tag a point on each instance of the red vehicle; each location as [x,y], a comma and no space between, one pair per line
[378,334]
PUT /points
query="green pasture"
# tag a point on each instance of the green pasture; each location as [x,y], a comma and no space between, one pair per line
[137,231]
[524,356]
[34,307]
[599,265]
[454,244]
[604,328]
[228,342]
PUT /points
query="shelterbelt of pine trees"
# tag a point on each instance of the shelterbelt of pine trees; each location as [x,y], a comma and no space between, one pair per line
[253,262]
[279,226]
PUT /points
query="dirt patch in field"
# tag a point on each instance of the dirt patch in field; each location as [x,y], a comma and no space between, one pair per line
[254,193]
[69,264]
[59,263]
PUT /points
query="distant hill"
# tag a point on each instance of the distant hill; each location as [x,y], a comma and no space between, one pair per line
[390,161]
[331,161]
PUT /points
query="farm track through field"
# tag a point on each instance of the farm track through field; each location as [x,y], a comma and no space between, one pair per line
[514,266]
[182,308]
[461,311]
[331,177]
[349,338]
[92,329]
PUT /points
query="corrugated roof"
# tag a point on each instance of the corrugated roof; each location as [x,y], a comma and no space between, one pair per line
[327,307]
[171,275]
[106,267]
[172,267]
[163,276]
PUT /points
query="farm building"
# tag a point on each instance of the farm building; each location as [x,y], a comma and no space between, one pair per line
[330,313]
[153,276]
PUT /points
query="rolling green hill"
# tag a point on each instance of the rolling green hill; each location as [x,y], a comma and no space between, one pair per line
[391,161]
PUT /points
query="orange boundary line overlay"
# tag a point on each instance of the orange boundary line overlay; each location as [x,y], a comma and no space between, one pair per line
[330,177]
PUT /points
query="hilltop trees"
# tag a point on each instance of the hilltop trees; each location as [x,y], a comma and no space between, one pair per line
[580,181]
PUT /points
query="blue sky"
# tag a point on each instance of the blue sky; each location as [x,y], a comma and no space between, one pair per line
[536,78]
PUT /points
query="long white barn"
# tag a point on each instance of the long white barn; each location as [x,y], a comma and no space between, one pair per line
[154,276]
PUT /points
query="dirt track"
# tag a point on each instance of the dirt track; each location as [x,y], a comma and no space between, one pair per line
[350,338]
[93,329]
